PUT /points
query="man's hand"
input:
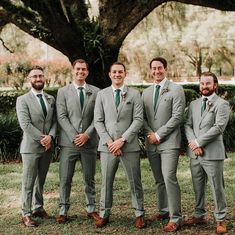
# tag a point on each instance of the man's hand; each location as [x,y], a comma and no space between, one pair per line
[151,137]
[46,141]
[192,144]
[115,146]
[81,139]
[198,151]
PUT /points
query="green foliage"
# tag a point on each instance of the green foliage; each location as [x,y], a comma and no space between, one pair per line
[9,124]
[229,134]
[8,100]
[9,137]
[190,95]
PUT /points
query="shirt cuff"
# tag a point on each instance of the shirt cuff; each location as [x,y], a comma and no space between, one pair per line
[157,136]
[196,143]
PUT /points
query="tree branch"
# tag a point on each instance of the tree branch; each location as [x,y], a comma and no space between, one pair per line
[4,45]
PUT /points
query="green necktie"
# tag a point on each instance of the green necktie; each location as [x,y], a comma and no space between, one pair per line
[157,89]
[44,109]
[81,95]
[203,105]
[117,97]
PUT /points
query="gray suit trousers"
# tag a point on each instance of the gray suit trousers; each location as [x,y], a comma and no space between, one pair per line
[35,168]
[68,158]
[202,169]
[109,165]
[164,166]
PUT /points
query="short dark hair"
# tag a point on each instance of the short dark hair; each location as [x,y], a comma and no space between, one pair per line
[117,63]
[210,74]
[82,61]
[35,67]
[160,59]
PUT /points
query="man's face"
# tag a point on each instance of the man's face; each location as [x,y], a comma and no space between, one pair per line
[158,71]
[36,79]
[207,85]
[117,74]
[80,72]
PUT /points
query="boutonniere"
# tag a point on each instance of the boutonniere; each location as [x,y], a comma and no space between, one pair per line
[123,95]
[164,90]
[89,92]
[49,99]
[209,104]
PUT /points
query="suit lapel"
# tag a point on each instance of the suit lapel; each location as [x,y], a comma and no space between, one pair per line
[35,103]
[165,87]
[213,100]
[110,96]
[123,100]
[88,95]
[74,94]
[49,105]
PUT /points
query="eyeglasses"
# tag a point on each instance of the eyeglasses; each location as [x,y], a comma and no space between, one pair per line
[37,76]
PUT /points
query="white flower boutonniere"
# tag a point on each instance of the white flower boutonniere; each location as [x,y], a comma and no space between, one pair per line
[123,95]
[209,104]
[164,90]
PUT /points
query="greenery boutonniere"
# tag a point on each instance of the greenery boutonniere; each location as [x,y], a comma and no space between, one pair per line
[89,92]
[164,90]
[49,99]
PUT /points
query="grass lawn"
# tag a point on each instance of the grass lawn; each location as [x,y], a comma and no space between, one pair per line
[122,218]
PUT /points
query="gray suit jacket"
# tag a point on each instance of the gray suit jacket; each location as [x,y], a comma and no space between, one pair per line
[208,129]
[112,123]
[166,119]
[33,122]
[72,119]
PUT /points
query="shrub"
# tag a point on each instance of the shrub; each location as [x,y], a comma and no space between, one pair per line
[10,137]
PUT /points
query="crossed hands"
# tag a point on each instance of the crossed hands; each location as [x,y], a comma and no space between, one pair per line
[46,142]
[81,139]
[198,151]
[151,138]
[115,147]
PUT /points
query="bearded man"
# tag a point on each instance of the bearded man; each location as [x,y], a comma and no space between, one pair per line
[37,118]
[206,122]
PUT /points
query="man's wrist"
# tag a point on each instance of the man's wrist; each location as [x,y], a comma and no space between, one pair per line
[123,139]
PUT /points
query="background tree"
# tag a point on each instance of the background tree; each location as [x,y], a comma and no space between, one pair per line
[67,26]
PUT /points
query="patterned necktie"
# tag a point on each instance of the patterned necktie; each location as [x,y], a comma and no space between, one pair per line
[157,89]
[44,109]
[81,95]
[117,97]
[203,105]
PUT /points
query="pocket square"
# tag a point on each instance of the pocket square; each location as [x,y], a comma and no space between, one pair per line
[128,102]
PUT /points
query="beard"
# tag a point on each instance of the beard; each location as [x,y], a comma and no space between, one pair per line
[38,86]
[207,92]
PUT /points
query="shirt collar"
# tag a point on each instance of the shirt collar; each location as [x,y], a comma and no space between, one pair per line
[121,88]
[162,83]
[37,92]
[210,97]
[76,86]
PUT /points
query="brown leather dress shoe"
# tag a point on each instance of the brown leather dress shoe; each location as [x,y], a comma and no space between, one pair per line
[41,214]
[61,219]
[29,222]
[194,220]
[140,222]
[171,227]
[159,216]
[101,222]
[93,215]
[221,227]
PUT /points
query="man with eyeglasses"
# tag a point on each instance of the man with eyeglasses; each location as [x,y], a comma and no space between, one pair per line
[36,115]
